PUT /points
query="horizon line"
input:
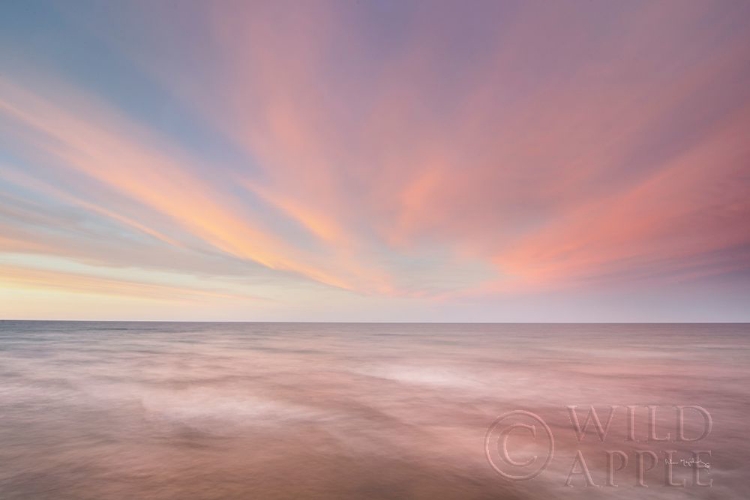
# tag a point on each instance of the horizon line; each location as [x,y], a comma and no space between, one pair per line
[386,322]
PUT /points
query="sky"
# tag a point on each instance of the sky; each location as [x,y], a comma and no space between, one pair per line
[375,161]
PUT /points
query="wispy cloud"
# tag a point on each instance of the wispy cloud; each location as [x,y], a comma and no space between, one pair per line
[446,155]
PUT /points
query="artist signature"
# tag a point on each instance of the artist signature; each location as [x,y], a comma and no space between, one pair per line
[700,464]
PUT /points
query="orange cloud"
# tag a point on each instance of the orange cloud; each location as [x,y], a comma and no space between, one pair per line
[34,279]
[564,149]
[117,154]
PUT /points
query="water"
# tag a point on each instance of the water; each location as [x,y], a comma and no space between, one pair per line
[92,410]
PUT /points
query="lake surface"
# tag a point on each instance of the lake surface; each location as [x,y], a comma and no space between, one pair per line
[106,410]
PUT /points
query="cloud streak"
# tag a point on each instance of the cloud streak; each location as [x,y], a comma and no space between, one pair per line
[444,156]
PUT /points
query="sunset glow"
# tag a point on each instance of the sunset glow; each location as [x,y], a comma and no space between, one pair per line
[384,161]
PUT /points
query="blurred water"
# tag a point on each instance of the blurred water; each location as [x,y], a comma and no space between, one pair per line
[92,410]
